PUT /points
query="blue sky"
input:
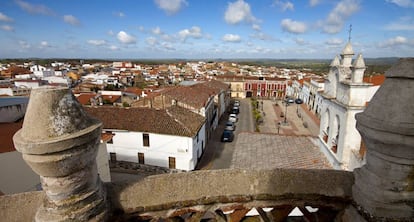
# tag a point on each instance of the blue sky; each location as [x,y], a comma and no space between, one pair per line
[204,29]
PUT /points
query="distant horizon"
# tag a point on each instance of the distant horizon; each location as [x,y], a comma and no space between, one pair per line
[188,59]
[192,29]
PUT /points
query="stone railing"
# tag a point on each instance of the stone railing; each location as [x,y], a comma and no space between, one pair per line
[59,141]
[225,194]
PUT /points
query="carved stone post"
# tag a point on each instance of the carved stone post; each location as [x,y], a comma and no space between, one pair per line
[384,187]
[60,143]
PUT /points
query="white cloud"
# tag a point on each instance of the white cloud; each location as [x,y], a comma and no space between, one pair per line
[284,5]
[24,45]
[262,36]
[5,18]
[170,6]
[193,32]
[300,41]
[156,31]
[336,18]
[314,2]
[256,27]
[292,26]
[237,12]
[7,28]
[119,14]
[44,44]
[125,38]
[167,46]
[151,41]
[141,28]
[34,9]
[403,3]
[398,40]
[70,19]
[403,24]
[113,47]
[96,42]
[334,41]
[231,38]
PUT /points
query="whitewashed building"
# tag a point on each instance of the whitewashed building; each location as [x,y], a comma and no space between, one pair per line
[41,71]
[345,95]
[172,138]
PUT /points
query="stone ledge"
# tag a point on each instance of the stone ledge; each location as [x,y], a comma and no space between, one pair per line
[179,190]
[182,190]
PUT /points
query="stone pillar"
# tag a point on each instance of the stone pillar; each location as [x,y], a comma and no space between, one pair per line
[60,143]
[384,187]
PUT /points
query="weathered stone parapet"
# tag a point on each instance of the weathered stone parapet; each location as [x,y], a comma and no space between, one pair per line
[60,143]
[384,187]
[165,195]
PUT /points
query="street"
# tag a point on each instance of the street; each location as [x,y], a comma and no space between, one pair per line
[218,155]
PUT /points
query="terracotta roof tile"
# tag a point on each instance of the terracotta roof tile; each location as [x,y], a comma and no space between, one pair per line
[172,121]
[376,80]
[84,98]
[7,130]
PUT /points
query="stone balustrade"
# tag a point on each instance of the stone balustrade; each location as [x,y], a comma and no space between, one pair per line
[59,141]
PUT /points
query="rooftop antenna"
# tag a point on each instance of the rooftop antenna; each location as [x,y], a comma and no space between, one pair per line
[349,33]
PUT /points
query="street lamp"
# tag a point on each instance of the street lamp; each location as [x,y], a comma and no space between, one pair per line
[278,127]
[286,105]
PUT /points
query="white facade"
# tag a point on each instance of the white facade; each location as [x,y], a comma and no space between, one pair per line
[185,150]
[41,71]
[345,95]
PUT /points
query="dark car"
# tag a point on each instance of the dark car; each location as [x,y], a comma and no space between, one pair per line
[298,101]
[227,136]
[230,126]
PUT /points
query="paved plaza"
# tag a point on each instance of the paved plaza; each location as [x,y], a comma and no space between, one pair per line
[270,151]
[290,144]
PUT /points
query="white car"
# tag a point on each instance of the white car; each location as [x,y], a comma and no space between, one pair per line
[233,117]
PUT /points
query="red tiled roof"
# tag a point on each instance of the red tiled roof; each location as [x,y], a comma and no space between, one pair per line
[7,130]
[110,98]
[196,95]
[84,98]
[375,80]
[172,121]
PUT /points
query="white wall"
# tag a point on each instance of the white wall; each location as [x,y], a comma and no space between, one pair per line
[12,113]
[127,145]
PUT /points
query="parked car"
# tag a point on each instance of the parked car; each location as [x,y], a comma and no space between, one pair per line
[235,110]
[227,136]
[237,103]
[290,100]
[233,118]
[230,126]
[298,101]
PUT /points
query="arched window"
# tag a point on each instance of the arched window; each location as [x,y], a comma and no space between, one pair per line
[336,126]
[325,126]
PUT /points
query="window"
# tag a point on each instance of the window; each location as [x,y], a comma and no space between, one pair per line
[112,157]
[171,162]
[145,139]
[141,159]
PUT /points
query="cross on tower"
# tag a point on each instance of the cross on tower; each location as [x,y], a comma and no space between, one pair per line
[349,32]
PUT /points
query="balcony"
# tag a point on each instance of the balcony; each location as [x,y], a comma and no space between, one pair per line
[61,146]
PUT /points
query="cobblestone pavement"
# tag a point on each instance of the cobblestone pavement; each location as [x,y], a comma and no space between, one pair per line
[269,151]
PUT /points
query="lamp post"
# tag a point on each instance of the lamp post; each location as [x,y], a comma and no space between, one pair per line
[278,127]
[286,105]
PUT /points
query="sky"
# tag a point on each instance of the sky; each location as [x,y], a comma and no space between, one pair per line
[205,29]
